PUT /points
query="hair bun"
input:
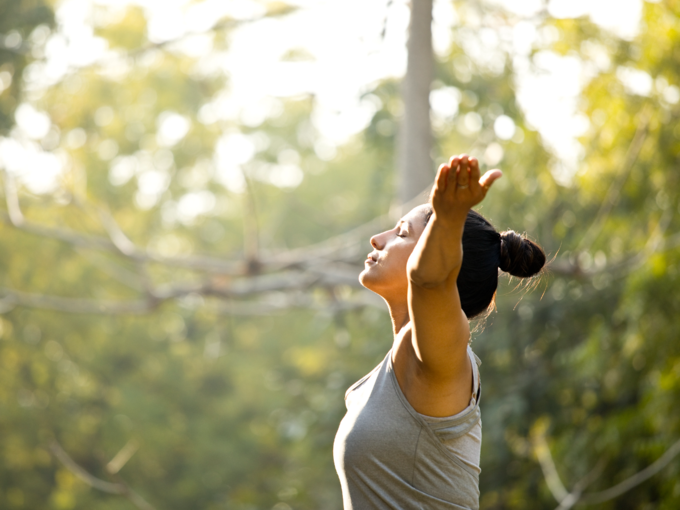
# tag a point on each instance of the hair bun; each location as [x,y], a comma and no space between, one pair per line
[520,257]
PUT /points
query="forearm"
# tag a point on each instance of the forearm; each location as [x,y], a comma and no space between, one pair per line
[438,255]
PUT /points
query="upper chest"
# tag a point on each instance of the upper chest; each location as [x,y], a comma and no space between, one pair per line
[431,396]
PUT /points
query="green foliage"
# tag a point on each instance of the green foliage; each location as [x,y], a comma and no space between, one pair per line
[595,357]
[239,412]
[20,22]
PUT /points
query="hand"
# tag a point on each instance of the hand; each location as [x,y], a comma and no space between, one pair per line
[458,186]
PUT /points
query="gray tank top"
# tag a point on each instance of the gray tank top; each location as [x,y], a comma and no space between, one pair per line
[389,457]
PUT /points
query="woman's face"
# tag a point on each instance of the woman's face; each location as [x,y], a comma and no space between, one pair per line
[385,267]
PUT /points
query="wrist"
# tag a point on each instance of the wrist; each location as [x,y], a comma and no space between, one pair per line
[452,218]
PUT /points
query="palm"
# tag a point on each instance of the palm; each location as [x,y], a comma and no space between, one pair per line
[458,185]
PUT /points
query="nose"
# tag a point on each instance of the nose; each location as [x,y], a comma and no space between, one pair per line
[377,242]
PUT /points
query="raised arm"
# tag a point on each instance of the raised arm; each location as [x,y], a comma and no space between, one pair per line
[438,255]
[436,359]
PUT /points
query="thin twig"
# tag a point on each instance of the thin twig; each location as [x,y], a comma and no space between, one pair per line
[221,25]
[92,481]
[12,199]
[573,497]
[116,234]
[120,488]
[635,480]
[545,459]
[568,499]
[383,32]
[121,458]
[127,248]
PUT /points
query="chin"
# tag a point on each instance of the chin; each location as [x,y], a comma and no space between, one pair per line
[362,278]
[366,280]
[373,283]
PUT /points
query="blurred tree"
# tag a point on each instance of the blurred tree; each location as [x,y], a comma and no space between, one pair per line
[23,25]
[415,141]
[216,381]
[586,368]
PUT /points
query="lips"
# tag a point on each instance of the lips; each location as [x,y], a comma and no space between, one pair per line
[372,258]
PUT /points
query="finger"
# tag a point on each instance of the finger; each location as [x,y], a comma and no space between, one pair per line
[464,174]
[489,177]
[442,175]
[453,162]
[474,170]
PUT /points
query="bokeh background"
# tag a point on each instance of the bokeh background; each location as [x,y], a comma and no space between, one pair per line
[188,192]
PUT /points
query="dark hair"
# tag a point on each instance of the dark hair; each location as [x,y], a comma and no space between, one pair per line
[484,252]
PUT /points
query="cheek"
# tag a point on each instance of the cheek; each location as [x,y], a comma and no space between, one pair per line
[390,269]
[405,252]
[395,262]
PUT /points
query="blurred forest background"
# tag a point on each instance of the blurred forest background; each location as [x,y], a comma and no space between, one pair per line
[180,312]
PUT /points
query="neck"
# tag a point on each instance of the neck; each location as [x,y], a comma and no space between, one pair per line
[399,314]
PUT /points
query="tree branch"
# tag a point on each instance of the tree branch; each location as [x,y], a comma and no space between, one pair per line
[116,235]
[345,247]
[120,488]
[573,497]
[545,459]
[324,264]
[568,499]
[224,24]
[287,282]
[635,480]
[92,481]
[200,263]
[76,305]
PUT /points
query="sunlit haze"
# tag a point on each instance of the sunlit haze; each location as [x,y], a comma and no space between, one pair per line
[338,55]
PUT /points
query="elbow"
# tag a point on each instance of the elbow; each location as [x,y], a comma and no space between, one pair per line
[419,278]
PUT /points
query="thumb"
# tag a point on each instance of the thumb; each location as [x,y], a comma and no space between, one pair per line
[489,177]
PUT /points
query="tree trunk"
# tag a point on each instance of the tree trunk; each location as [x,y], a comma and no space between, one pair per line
[415,172]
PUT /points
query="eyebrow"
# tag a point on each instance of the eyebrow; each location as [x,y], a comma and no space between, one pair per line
[410,227]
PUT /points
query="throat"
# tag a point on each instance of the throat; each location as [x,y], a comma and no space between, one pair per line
[402,341]
[400,319]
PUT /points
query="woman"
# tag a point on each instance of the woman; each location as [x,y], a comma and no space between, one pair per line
[412,433]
